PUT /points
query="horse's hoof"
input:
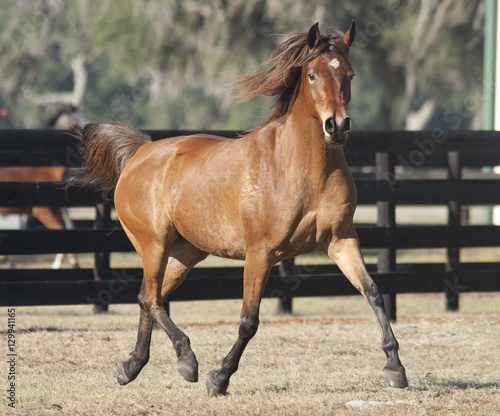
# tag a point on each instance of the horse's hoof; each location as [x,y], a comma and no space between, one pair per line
[121,377]
[188,369]
[213,388]
[396,378]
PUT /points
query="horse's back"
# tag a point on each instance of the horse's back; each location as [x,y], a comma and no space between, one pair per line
[181,155]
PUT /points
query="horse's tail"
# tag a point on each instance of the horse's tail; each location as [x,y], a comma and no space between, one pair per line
[106,148]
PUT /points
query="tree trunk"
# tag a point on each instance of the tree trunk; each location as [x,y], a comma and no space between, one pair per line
[418,120]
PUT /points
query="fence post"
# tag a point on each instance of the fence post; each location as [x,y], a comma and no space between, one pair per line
[454,219]
[285,268]
[101,260]
[386,217]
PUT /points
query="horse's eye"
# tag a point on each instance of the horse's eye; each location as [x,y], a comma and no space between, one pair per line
[312,77]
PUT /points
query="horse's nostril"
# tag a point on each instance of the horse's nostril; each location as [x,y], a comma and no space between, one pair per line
[330,125]
[347,123]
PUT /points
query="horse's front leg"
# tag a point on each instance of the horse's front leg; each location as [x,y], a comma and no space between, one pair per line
[255,277]
[346,253]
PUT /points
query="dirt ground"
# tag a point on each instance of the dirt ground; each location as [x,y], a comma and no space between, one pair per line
[323,360]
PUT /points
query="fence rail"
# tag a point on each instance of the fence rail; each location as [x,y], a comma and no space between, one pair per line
[370,191]
[390,169]
[115,240]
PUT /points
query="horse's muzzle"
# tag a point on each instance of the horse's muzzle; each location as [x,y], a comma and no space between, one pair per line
[336,133]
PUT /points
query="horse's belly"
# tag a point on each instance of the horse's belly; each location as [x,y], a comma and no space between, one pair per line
[214,236]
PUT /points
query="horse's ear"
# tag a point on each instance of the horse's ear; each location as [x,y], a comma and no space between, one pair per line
[313,36]
[349,35]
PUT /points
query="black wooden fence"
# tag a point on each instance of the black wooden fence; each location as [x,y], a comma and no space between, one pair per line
[390,168]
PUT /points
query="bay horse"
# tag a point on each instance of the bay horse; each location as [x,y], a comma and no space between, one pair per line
[50,217]
[281,190]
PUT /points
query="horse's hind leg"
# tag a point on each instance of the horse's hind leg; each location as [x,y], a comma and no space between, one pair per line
[52,219]
[182,258]
[6,260]
[72,260]
[346,253]
[129,369]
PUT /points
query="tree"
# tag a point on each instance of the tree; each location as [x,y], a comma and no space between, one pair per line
[168,64]
[37,53]
[429,49]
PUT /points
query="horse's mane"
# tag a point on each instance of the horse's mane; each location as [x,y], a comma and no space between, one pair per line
[281,74]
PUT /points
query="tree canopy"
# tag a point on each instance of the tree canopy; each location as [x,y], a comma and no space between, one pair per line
[169,64]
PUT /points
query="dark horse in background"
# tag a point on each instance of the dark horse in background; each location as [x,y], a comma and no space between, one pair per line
[282,190]
[50,217]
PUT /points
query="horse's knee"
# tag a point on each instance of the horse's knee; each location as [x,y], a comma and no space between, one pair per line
[145,303]
[248,327]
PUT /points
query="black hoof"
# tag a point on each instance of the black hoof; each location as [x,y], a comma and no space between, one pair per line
[128,370]
[396,378]
[188,369]
[214,388]
[121,376]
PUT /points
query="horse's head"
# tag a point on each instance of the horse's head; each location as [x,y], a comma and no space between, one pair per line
[327,81]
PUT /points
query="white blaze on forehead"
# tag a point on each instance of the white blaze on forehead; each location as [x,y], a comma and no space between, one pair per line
[335,63]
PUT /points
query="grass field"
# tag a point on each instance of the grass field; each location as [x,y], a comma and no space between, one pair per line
[314,363]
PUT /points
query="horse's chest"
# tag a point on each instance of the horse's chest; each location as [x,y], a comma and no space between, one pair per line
[337,205]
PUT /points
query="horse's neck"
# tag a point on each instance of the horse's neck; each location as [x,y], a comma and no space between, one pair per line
[303,142]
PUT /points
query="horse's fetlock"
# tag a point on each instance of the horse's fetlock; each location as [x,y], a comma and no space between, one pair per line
[140,359]
[182,345]
[390,345]
[248,328]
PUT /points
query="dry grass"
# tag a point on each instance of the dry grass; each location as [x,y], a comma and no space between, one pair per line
[328,354]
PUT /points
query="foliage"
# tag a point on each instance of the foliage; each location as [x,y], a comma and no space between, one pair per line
[168,64]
